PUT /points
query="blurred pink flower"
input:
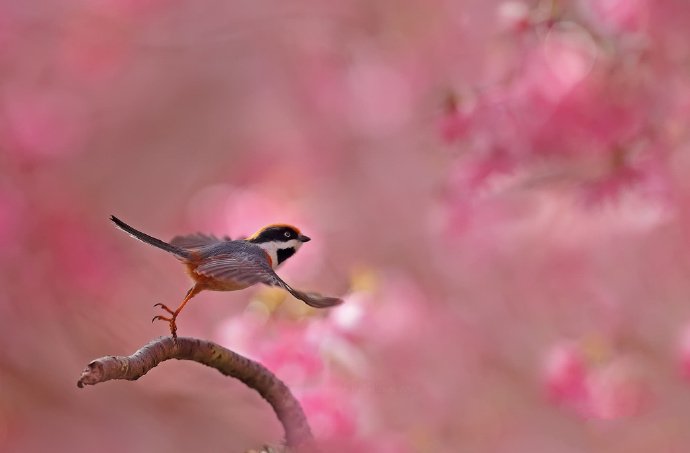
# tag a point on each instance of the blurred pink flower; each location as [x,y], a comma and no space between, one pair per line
[474,173]
[456,119]
[555,67]
[301,354]
[290,355]
[618,15]
[391,312]
[514,15]
[565,377]
[611,186]
[243,333]
[639,169]
[349,316]
[331,413]
[284,346]
[618,390]
[611,390]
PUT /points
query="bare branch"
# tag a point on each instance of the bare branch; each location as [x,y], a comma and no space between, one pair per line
[229,363]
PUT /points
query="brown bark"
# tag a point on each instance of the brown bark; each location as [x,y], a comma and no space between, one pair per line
[229,363]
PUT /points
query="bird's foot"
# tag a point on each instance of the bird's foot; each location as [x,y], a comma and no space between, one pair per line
[171,321]
[165,307]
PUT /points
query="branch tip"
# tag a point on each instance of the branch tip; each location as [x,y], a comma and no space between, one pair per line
[229,363]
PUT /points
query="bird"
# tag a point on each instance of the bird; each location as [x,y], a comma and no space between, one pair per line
[222,264]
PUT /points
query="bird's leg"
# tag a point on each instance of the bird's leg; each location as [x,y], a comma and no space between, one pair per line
[194,290]
[168,309]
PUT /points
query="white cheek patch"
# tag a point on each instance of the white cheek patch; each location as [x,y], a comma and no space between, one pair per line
[272,249]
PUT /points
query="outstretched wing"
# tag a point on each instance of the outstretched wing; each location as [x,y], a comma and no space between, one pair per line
[196,240]
[247,270]
[243,269]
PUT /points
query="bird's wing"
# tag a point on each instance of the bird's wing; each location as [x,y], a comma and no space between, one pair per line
[196,240]
[249,270]
[243,269]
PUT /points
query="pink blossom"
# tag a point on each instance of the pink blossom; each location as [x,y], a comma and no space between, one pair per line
[565,374]
[244,332]
[331,413]
[544,98]
[292,356]
[611,186]
[618,390]
[456,119]
[349,316]
[286,348]
[618,15]
[453,126]
[610,390]
[391,312]
[514,15]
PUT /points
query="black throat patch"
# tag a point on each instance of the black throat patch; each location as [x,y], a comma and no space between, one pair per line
[284,254]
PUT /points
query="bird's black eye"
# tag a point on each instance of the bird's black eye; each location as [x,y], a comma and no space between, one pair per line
[287,234]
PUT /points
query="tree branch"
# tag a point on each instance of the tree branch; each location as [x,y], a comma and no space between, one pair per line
[229,363]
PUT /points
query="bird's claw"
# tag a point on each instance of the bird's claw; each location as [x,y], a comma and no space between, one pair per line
[171,321]
[161,318]
[164,307]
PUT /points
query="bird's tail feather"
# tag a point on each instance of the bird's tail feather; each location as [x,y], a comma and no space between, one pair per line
[177,251]
[315,300]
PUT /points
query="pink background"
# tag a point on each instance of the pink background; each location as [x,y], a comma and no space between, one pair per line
[498,189]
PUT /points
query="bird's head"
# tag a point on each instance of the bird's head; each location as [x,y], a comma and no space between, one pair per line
[280,241]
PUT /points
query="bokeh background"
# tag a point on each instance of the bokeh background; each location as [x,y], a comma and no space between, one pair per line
[498,189]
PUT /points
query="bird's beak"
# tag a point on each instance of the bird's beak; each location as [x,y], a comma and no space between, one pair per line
[304,238]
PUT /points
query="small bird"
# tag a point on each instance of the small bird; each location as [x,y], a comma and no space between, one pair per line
[221,264]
